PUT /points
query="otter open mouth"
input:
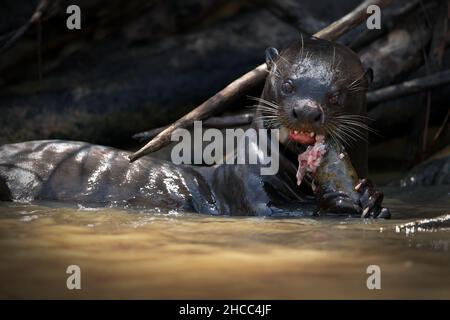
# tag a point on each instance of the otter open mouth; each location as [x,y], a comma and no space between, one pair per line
[303,136]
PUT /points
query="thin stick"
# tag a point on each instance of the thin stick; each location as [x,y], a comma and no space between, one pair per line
[39,48]
[441,128]
[409,87]
[426,121]
[37,15]
[220,100]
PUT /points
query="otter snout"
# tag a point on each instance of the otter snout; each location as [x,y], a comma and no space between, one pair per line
[308,113]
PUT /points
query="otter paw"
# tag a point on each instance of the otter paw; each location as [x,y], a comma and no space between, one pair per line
[338,203]
[371,201]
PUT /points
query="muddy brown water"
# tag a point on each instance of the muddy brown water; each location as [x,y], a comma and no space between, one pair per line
[129,254]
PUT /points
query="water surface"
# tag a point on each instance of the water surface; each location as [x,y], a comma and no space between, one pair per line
[128,254]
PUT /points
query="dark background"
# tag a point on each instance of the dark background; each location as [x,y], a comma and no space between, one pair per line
[137,65]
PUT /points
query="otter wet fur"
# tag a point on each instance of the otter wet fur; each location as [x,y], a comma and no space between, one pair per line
[317,89]
[314,88]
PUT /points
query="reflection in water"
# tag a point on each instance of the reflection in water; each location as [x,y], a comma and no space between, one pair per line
[125,254]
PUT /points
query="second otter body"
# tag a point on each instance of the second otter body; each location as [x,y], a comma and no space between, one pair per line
[82,173]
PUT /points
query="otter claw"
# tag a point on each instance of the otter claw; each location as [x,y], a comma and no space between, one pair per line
[368,206]
[371,201]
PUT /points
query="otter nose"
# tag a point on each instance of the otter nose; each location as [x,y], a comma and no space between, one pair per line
[307,114]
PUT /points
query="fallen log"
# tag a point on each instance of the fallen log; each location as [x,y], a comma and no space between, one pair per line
[219,101]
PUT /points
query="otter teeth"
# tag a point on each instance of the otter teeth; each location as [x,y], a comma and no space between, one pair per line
[311,134]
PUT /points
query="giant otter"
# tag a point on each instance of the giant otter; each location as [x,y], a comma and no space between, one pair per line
[314,88]
[317,88]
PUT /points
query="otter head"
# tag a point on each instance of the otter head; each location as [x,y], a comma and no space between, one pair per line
[315,87]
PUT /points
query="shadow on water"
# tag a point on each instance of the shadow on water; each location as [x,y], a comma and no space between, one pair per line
[417,202]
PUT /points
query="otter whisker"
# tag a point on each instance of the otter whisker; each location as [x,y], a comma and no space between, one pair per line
[355,135]
[253,106]
[301,52]
[268,110]
[338,63]
[344,132]
[359,124]
[356,82]
[274,70]
[266,117]
[352,121]
[267,113]
[333,59]
[350,124]
[269,116]
[269,120]
[308,55]
[339,138]
[351,127]
[347,115]
[272,119]
[354,118]
[256,106]
[330,132]
[261,100]
[275,73]
[357,89]
[349,120]
[284,59]
[267,107]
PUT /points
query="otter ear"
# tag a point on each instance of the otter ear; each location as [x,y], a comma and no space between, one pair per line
[271,55]
[369,76]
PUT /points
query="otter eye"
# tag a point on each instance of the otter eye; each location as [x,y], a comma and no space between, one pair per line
[335,99]
[287,87]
